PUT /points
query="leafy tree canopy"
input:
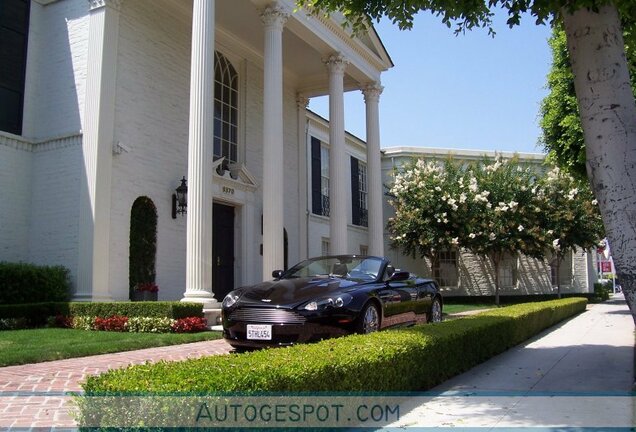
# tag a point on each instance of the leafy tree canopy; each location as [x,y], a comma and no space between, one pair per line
[560,119]
[463,14]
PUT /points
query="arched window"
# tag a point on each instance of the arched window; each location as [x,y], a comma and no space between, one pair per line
[143,243]
[225,109]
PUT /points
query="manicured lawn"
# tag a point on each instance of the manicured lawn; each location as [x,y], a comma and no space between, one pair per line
[455,308]
[38,345]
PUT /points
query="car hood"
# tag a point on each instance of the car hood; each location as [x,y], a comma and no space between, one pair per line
[292,292]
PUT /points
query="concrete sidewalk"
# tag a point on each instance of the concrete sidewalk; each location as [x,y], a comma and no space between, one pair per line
[577,374]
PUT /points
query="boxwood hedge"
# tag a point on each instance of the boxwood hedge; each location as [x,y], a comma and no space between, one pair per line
[384,361]
[37,313]
[29,283]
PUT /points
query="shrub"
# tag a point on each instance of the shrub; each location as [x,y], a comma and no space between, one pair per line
[383,361]
[150,324]
[190,325]
[83,322]
[113,323]
[602,290]
[173,310]
[13,323]
[60,321]
[29,283]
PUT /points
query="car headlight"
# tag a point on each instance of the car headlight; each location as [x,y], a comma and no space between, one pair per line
[334,302]
[230,299]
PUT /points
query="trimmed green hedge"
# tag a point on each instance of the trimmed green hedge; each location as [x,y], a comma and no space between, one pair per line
[29,283]
[384,361]
[36,314]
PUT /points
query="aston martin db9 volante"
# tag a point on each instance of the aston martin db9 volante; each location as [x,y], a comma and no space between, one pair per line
[326,297]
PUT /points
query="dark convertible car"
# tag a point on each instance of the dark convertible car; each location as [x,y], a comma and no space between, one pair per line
[326,297]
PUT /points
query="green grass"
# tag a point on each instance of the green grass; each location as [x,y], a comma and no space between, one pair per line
[455,308]
[38,345]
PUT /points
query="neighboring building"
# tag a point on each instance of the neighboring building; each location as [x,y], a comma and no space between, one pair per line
[463,273]
[108,104]
[356,190]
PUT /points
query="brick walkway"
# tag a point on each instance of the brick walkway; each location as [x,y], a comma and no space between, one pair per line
[34,395]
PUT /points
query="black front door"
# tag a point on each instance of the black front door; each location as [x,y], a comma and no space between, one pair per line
[222,250]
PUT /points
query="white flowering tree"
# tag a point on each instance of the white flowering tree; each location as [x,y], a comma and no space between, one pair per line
[571,216]
[433,208]
[508,205]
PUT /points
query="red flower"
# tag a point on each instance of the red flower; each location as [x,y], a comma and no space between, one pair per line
[113,323]
[190,325]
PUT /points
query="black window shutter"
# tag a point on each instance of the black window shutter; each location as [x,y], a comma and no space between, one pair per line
[316,199]
[355,192]
[14,29]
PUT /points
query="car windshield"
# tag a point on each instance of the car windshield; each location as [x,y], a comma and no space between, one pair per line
[354,268]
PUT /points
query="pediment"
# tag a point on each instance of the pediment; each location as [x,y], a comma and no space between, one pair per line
[233,175]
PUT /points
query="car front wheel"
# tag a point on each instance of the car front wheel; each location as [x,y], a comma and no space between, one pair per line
[436,311]
[369,320]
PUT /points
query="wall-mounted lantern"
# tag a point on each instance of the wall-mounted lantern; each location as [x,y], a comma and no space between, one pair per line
[180,199]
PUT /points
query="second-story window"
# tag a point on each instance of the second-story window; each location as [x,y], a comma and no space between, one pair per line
[225,109]
[14,31]
[319,178]
[359,212]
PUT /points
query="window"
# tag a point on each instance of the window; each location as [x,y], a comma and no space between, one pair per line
[508,271]
[14,31]
[359,213]
[444,268]
[565,270]
[319,178]
[364,250]
[225,109]
[324,246]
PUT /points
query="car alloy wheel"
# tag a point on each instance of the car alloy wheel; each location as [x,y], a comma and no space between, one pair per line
[370,319]
[436,311]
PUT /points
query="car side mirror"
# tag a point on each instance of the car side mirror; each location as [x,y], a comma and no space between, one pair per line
[276,274]
[399,276]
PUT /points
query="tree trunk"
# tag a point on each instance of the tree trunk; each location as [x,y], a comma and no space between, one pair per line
[558,275]
[495,264]
[608,118]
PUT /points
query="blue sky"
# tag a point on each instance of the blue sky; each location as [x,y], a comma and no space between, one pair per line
[468,91]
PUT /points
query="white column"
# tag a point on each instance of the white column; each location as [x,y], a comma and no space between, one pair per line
[303,175]
[93,281]
[274,18]
[374,169]
[336,64]
[200,154]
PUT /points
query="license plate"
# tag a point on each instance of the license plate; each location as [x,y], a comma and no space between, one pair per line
[259,332]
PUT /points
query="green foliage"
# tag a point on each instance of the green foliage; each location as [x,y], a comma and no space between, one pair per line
[433,206]
[13,323]
[29,283]
[173,310]
[465,15]
[45,344]
[602,290]
[150,324]
[143,243]
[560,122]
[37,313]
[571,215]
[381,361]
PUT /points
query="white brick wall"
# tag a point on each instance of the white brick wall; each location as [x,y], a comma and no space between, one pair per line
[56,69]
[53,233]
[15,198]
[152,107]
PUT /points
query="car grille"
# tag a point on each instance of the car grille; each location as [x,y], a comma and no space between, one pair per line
[267,315]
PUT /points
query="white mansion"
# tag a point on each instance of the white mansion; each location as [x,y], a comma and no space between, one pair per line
[108,103]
